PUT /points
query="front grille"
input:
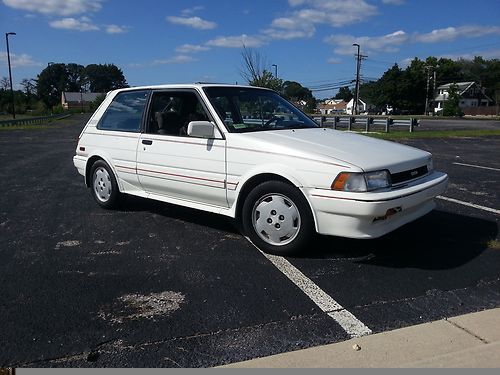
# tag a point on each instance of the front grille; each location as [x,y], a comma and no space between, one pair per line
[411,174]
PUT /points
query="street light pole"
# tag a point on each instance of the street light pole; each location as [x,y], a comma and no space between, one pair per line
[275,70]
[10,74]
[358,66]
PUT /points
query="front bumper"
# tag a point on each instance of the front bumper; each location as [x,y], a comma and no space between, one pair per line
[365,215]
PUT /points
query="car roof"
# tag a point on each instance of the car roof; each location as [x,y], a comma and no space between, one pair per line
[198,85]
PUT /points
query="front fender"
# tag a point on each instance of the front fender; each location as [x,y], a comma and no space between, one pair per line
[283,171]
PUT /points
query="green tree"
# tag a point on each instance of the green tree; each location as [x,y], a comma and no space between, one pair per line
[389,89]
[52,82]
[103,78]
[75,80]
[294,92]
[267,80]
[413,89]
[451,106]
[345,94]
[30,89]
[254,72]
[4,83]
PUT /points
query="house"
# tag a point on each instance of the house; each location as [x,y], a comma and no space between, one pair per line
[332,107]
[300,104]
[363,107]
[471,96]
[78,100]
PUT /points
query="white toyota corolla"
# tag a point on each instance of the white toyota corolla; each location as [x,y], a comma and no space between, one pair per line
[247,153]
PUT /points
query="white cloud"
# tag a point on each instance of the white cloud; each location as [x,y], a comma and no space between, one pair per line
[403,64]
[192,10]
[489,54]
[452,33]
[115,29]
[82,24]
[277,34]
[236,41]
[191,48]
[18,61]
[56,7]
[194,22]
[180,59]
[301,22]
[136,65]
[394,2]
[343,44]
[288,28]
[336,13]
[334,60]
[384,43]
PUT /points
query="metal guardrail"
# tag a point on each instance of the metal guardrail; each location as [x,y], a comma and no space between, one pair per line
[32,120]
[368,121]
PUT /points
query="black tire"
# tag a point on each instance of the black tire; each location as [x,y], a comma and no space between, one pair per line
[277,218]
[103,185]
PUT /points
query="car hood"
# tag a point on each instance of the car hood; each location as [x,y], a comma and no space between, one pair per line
[366,153]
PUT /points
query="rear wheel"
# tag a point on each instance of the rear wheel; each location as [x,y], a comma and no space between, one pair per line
[103,185]
[277,218]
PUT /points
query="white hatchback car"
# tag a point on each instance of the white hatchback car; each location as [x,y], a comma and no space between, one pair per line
[247,153]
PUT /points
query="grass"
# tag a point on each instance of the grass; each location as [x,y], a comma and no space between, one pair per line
[50,124]
[436,118]
[468,133]
[29,127]
[18,117]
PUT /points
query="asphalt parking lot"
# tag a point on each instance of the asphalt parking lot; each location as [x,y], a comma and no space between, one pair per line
[154,285]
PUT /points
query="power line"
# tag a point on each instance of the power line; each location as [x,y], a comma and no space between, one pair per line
[325,81]
[331,88]
[340,83]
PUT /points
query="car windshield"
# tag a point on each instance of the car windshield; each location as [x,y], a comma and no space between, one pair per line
[245,109]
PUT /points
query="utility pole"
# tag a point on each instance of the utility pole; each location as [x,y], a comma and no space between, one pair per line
[275,70]
[10,75]
[428,68]
[434,86]
[359,57]
[434,77]
[356,92]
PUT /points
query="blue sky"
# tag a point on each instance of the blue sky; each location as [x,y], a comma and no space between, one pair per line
[172,41]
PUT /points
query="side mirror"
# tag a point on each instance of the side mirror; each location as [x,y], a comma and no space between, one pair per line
[201,129]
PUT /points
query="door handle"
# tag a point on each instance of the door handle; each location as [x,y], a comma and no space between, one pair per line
[147,142]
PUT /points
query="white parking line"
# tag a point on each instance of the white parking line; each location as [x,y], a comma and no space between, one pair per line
[469,204]
[477,166]
[350,324]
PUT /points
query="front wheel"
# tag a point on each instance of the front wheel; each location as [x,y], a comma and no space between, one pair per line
[103,184]
[277,218]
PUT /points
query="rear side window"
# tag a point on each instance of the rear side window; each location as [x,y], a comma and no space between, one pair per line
[125,112]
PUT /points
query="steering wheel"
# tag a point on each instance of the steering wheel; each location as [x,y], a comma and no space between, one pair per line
[271,120]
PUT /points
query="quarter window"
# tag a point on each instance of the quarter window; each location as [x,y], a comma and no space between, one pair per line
[125,112]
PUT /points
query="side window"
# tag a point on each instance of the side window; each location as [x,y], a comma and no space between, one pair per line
[125,112]
[171,112]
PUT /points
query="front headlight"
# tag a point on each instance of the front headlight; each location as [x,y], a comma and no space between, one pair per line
[361,182]
[430,165]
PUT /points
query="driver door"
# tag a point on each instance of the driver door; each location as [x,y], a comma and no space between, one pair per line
[172,164]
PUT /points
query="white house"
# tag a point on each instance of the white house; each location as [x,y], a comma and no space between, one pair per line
[471,95]
[363,107]
[77,100]
[332,107]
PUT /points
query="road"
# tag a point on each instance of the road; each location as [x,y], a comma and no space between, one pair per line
[459,124]
[154,285]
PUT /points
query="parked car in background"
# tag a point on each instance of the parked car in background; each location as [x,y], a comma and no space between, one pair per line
[247,153]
